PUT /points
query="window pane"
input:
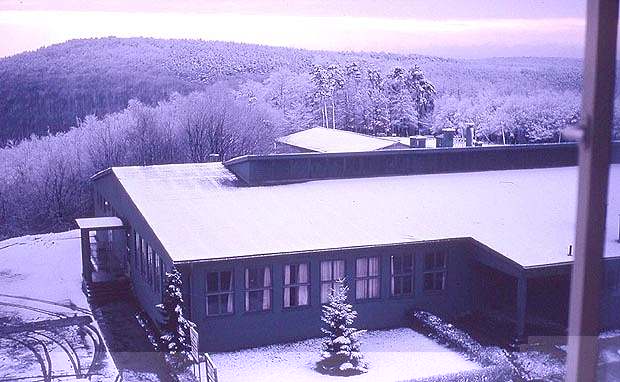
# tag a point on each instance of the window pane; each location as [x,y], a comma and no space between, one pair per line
[429,261]
[294,296]
[407,287]
[255,278]
[439,280]
[326,270]
[361,289]
[339,270]
[255,301]
[373,266]
[407,264]
[397,266]
[226,303]
[361,267]
[267,277]
[226,280]
[428,281]
[303,273]
[294,277]
[213,305]
[212,282]
[303,295]
[326,289]
[440,260]
[373,288]
[397,286]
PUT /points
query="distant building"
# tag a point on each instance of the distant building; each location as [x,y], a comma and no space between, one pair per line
[323,140]
[260,240]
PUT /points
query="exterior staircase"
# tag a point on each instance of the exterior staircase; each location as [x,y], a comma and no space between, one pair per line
[107,291]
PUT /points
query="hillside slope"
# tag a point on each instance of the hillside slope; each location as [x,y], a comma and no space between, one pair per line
[49,89]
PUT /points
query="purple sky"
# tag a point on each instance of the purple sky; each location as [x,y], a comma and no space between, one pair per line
[457,28]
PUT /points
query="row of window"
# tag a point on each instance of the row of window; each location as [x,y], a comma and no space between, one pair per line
[258,285]
[148,263]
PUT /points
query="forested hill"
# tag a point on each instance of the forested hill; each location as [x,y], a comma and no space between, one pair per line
[48,90]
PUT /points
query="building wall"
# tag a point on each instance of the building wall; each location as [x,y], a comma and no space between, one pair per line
[270,169]
[610,300]
[108,189]
[283,148]
[280,324]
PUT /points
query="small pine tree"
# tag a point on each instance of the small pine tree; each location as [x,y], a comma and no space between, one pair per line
[175,329]
[341,353]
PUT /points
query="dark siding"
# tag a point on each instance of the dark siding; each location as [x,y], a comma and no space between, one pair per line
[110,188]
[270,169]
[243,329]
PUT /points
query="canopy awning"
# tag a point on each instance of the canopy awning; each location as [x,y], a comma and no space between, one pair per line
[105,222]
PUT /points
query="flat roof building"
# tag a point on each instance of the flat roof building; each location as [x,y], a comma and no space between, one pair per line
[324,140]
[269,235]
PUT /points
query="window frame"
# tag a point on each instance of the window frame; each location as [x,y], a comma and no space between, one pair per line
[307,284]
[247,289]
[366,279]
[219,293]
[332,281]
[394,276]
[434,271]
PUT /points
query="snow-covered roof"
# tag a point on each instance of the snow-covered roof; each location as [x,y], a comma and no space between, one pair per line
[202,211]
[325,140]
[105,222]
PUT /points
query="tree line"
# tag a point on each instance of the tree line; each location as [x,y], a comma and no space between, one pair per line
[45,181]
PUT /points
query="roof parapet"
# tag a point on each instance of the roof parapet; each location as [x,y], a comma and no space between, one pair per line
[256,170]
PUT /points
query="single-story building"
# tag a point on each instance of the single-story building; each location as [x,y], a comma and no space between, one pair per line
[324,140]
[261,240]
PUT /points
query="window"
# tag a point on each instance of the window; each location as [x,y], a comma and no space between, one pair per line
[136,249]
[402,275]
[155,271]
[332,277]
[296,285]
[435,271]
[149,268]
[143,246]
[159,265]
[219,293]
[257,289]
[367,276]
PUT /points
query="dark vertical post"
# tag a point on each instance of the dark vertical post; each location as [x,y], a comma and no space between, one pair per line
[87,273]
[594,155]
[521,305]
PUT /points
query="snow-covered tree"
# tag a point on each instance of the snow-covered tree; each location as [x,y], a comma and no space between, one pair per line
[321,93]
[341,353]
[377,115]
[175,330]
[423,92]
[402,106]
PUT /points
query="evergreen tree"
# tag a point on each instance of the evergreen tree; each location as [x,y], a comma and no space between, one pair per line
[402,107]
[377,115]
[423,93]
[175,330]
[341,353]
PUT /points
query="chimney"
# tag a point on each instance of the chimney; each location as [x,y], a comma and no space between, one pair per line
[469,134]
[448,137]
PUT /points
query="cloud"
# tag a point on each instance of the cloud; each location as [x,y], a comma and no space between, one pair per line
[33,29]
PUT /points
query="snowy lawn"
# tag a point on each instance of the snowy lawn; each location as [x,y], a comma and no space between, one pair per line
[40,281]
[392,355]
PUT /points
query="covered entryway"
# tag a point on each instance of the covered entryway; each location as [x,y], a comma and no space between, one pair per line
[104,252]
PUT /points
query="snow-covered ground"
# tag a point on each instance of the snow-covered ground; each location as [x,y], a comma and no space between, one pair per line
[40,281]
[393,355]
